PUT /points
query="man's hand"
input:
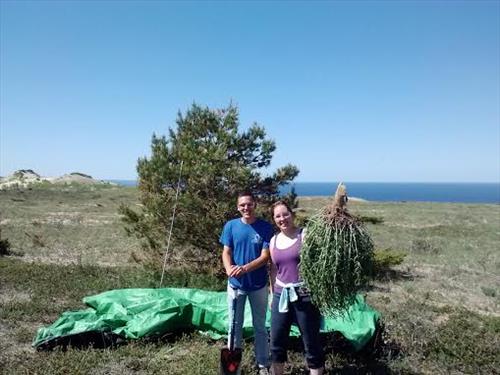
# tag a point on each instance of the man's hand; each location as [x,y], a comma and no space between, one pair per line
[236,271]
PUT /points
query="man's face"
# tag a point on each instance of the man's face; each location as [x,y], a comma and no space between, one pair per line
[246,207]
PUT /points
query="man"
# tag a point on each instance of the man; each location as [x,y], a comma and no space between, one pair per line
[245,256]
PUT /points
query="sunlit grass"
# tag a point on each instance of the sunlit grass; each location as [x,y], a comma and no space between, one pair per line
[439,293]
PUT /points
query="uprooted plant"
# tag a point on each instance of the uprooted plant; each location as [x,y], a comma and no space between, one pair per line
[337,256]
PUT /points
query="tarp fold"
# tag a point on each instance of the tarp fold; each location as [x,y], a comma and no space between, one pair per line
[139,313]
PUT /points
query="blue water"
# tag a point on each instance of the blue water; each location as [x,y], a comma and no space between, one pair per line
[397,191]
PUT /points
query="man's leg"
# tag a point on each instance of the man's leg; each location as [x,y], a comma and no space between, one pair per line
[258,303]
[238,316]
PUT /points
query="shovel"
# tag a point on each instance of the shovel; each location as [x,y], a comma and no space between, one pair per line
[230,357]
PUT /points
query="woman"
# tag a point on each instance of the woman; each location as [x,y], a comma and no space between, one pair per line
[291,302]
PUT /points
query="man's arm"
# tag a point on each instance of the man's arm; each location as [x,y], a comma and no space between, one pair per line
[227,259]
[257,263]
[237,271]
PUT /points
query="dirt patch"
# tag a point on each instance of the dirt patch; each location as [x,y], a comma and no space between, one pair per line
[441,319]
[77,218]
[9,345]
[67,258]
[9,295]
[119,368]
[414,226]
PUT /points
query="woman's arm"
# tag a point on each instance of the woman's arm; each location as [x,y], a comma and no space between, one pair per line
[272,267]
[272,276]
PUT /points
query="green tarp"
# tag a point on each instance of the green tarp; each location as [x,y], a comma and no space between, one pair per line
[138,313]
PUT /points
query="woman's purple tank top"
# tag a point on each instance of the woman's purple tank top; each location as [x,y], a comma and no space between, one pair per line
[286,262]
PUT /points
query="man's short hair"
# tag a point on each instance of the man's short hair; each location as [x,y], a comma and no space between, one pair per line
[246,193]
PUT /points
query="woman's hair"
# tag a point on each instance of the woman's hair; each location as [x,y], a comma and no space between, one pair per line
[280,203]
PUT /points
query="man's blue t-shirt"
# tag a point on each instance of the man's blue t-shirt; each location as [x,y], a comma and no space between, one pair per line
[246,242]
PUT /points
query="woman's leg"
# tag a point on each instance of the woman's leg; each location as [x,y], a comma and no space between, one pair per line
[309,319]
[280,329]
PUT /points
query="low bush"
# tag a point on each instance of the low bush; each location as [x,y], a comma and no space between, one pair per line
[371,219]
[5,247]
[384,259]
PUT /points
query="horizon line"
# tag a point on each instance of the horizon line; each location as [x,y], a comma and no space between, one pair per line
[356,182]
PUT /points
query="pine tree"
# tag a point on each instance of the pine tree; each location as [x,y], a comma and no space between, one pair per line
[218,162]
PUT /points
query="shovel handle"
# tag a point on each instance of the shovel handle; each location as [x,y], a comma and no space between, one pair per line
[233,320]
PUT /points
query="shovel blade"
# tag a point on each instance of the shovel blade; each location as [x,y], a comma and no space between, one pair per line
[230,361]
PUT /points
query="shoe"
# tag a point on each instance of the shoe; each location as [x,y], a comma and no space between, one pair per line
[316,371]
[263,370]
[277,368]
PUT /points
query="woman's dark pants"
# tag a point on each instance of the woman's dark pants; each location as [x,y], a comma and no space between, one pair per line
[308,319]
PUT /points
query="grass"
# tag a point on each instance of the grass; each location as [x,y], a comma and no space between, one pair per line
[74,224]
[438,293]
[454,345]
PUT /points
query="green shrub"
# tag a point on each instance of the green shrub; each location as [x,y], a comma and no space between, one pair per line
[489,292]
[371,219]
[5,247]
[384,259]
[218,161]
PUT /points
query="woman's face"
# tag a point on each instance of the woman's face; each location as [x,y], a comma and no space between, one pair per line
[282,217]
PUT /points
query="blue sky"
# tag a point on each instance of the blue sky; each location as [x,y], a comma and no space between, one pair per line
[353,91]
